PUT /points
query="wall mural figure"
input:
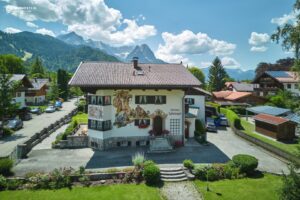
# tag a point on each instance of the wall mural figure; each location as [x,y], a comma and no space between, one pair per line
[125,114]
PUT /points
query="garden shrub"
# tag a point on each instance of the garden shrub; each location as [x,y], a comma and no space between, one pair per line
[213,174]
[200,172]
[149,162]
[6,166]
[188,164]
[2,183]
[246,163]
[199,127]
[13,184]
[151,174]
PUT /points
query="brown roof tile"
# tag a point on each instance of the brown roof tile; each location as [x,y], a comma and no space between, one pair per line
[116,74]
[270,119]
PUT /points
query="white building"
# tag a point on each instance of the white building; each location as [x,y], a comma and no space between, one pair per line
[23,86]
[130,104]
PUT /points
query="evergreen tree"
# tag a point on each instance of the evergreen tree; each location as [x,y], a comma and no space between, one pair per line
[37,69]
[62,82]
[217,76]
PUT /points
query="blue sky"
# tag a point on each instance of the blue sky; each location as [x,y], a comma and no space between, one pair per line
[194,31]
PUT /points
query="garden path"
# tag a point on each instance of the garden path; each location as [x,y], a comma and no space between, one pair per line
[180,190]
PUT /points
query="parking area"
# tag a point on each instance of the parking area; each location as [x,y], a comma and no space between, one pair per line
[222,146]
[32,126]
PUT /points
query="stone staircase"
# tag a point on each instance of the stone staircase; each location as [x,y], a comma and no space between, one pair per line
[160,145]
[173,174]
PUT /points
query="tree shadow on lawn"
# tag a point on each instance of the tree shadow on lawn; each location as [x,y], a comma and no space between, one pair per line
[123,156]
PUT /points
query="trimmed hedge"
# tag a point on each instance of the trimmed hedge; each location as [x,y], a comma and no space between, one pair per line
[233,118]
[69,130]
[6,166]
[246,163]
[151,174]
[199,128]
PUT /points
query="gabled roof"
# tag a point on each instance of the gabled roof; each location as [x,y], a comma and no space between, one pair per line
[123,75]
[243,87]
[270,110]
[284,76]
[23,78]
[270,119]
[230,95]
[38,83]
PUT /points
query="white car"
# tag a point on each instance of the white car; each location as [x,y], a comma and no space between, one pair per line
[50,109]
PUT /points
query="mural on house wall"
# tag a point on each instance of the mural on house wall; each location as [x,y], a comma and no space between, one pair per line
[95,112]
[124,113]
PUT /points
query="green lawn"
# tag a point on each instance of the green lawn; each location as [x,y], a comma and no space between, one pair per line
[81,118]
[265,188]
[249,130]
[114,192]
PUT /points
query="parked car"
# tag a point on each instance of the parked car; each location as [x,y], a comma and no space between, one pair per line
[50,109]
[36,110]
[210,125]
[15,124]
[222,120]
[26,117]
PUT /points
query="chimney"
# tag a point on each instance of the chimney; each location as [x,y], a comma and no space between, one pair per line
[135,61]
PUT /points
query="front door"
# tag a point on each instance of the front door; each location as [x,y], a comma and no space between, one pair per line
[157,125]
[186,129]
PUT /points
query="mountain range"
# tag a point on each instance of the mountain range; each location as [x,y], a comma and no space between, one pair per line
[237,74]
[123,53]
[54,53]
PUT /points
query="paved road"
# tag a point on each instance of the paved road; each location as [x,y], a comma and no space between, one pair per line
[223,145]
[231,144]
[32,126]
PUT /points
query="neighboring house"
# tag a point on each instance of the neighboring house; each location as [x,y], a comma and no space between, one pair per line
[270,110]
[276,127]
[241,87]
[133,104]
[236,98]
[37,94]
[272,81]
[25,84]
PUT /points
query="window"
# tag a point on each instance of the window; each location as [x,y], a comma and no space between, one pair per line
[288,86]
[99,100]
[175,126]
[18,94]
[296,86]
[99,125]
[189,101]
[150,99]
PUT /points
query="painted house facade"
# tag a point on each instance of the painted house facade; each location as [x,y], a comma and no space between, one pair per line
[130,104]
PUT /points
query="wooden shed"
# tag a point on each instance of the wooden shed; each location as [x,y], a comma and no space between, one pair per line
[275,127]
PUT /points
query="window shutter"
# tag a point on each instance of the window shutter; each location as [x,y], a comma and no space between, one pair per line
[164,99]
[193,102]
[89,123]
[136,122]
[137,98]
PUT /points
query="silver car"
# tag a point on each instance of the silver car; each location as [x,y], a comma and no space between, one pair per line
[50,109]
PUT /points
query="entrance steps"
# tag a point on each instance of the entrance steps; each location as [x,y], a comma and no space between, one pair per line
[160,145]
[173,174]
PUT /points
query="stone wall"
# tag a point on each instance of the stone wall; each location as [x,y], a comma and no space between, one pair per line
[23,149]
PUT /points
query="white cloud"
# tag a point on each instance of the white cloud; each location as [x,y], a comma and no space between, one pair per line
[258,48]
[11,30]
[176,47]
[286,18]
[31,25]
[90,18]
[229,62]
[44,31]
[258,38]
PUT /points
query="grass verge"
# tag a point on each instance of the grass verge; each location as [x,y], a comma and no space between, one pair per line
[110,192]
[264,188]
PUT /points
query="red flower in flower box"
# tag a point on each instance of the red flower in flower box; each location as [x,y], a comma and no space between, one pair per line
[143,126]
